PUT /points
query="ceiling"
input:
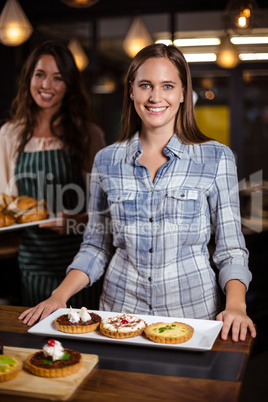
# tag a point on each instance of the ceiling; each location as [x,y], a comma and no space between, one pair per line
[54,10]
[102,27]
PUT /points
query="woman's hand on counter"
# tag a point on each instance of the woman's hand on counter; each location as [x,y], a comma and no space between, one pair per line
[41,310]
[73,282]
[236,321]
[234,317]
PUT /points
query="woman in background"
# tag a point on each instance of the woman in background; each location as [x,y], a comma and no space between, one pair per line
[156,194]
[46,152]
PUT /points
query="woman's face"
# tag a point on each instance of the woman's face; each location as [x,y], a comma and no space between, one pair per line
[47,86]
[157,92]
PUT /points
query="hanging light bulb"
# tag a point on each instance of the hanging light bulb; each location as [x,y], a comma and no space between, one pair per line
[80,57]
[243,19]
[79,3]
[15,27]
[227,56]
[137,38]
[241,15]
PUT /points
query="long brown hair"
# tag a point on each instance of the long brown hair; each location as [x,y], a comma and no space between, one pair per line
[74,114]
[185,124]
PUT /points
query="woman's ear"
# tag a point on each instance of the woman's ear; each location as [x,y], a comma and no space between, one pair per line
[131,90]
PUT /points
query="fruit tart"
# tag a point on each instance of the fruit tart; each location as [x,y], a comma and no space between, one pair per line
[175,332]
[10,367]
[122,326]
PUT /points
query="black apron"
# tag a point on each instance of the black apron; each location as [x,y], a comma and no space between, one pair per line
[44,254]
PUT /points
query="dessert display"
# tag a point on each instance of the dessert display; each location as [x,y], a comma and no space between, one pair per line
[22,209]
[78,322]
[54,361]
[175,332]
[122,326]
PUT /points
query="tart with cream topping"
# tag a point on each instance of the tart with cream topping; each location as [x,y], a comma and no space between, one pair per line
[9,367]
[54,361]
[78,322]
[122,326]
[175,332]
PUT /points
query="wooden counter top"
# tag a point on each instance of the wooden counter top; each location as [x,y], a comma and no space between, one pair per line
[133,373]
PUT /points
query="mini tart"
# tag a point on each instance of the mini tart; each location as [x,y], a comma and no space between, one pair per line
[64,325]
[122,326]
[9,367]
[175,332]
[37,365]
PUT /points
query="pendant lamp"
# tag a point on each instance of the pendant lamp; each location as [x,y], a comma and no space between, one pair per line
[80,57]
[137,38]
[227,56]
[79,3]
[241,15]
[15,27]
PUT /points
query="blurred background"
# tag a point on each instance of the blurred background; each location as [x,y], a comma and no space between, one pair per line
[226,45]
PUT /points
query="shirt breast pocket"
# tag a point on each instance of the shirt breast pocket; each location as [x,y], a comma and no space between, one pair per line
[183,206]
[123,207]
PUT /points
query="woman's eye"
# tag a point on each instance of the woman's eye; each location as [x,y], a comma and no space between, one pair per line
[168,86]
[58,78]
[38,75]
[145,85]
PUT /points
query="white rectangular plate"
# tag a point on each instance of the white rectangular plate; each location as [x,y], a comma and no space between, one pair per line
[19,226]
[205,331]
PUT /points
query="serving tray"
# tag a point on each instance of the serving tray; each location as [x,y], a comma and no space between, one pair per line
[30,385]
[19,226]
[205,331]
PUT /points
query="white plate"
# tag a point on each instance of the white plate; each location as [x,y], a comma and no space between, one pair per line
[19,226]
[205,331]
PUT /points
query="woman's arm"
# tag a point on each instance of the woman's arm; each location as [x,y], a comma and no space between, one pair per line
[231,254]
[235,314]
[72,283]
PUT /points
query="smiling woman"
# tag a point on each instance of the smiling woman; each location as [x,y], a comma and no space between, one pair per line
[157,193]
[46,150]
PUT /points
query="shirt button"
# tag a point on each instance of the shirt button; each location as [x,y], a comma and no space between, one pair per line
[151,220]
[118,198]
[152,190]
[149,279]
[151,250]
[182,195]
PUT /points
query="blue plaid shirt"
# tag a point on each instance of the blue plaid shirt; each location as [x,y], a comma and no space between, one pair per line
[152,237]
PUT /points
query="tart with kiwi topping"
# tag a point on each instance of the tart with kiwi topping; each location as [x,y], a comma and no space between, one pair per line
[175,332]
[54,361]
[10,367]
[78,322]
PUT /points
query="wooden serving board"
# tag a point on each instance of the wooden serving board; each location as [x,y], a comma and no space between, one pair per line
[27,384]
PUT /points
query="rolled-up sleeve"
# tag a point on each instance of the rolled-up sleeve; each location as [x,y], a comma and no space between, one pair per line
[231,254]
[97,247]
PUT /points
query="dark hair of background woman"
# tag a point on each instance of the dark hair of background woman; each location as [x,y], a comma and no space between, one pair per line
[185,124]
[74,114]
